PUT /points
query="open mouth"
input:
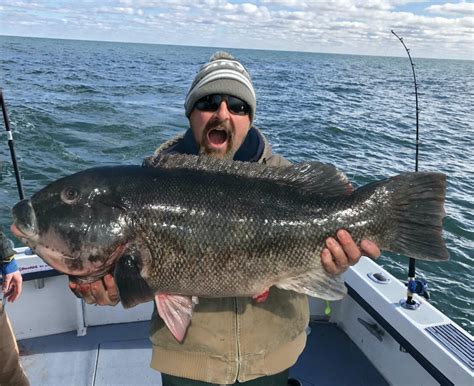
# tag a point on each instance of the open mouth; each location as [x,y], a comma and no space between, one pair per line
[217,138]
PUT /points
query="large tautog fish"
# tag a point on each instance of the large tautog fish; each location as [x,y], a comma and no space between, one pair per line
[202,227]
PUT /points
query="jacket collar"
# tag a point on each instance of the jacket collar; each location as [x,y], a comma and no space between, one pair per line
[252,149]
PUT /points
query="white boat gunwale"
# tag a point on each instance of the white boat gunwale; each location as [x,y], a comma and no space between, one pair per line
[375,300]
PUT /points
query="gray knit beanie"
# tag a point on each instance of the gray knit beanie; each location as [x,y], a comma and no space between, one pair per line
[223,74]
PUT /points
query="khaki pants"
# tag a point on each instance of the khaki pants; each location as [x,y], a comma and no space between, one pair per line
[11,372]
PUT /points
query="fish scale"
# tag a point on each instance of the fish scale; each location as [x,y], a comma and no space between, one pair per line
[197,226]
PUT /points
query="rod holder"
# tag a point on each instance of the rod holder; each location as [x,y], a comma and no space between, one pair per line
[413,305]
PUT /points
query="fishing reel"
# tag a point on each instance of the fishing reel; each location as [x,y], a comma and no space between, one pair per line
[415,286]
[419,287]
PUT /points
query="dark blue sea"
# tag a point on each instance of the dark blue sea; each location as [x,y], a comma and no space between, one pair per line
[78,104]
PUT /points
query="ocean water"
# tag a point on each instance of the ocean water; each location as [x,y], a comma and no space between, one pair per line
[76,104]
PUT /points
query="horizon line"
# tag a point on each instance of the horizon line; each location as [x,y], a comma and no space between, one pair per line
[233,48]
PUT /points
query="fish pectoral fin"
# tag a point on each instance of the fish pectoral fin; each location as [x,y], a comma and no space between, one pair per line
[133,288]
[176,311]
[316,283]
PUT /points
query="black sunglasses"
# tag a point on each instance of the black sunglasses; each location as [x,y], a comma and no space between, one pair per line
[212,102]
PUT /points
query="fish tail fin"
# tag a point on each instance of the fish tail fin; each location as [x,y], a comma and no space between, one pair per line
[133,288]
[316,283]
[417,212]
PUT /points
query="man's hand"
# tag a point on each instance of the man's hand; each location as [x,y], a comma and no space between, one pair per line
[12,285]
[343,252]
[103,292]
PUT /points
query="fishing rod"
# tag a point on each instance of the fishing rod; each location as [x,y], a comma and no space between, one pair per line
[414,286]
[11,145]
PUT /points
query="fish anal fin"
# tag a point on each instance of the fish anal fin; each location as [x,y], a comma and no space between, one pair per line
[316,283]
[176,311]
[261,297]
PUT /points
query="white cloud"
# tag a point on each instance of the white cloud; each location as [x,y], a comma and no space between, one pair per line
[249,8]
[157,3]
[22,5]
[351,26]
[287,3]
[453,8]
[118,10]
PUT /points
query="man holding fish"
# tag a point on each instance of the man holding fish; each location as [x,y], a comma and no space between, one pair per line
[231,339]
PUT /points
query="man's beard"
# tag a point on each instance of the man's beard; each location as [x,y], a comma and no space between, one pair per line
[224,129]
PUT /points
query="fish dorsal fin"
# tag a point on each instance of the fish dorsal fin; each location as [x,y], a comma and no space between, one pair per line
[310,177]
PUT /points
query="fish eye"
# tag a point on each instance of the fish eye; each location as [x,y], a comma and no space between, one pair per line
[70,195]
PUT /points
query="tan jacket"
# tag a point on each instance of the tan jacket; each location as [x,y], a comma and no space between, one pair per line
[233,339]
[11,372]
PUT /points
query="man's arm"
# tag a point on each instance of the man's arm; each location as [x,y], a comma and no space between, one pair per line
[12,279]
[12,285]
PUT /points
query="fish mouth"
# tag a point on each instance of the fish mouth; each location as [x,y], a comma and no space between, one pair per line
[17,232]
[53,258]
[82,268]
[24,225]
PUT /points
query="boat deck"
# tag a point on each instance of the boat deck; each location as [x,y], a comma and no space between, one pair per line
[119,355]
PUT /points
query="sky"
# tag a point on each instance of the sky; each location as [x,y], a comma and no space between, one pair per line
[432,29]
